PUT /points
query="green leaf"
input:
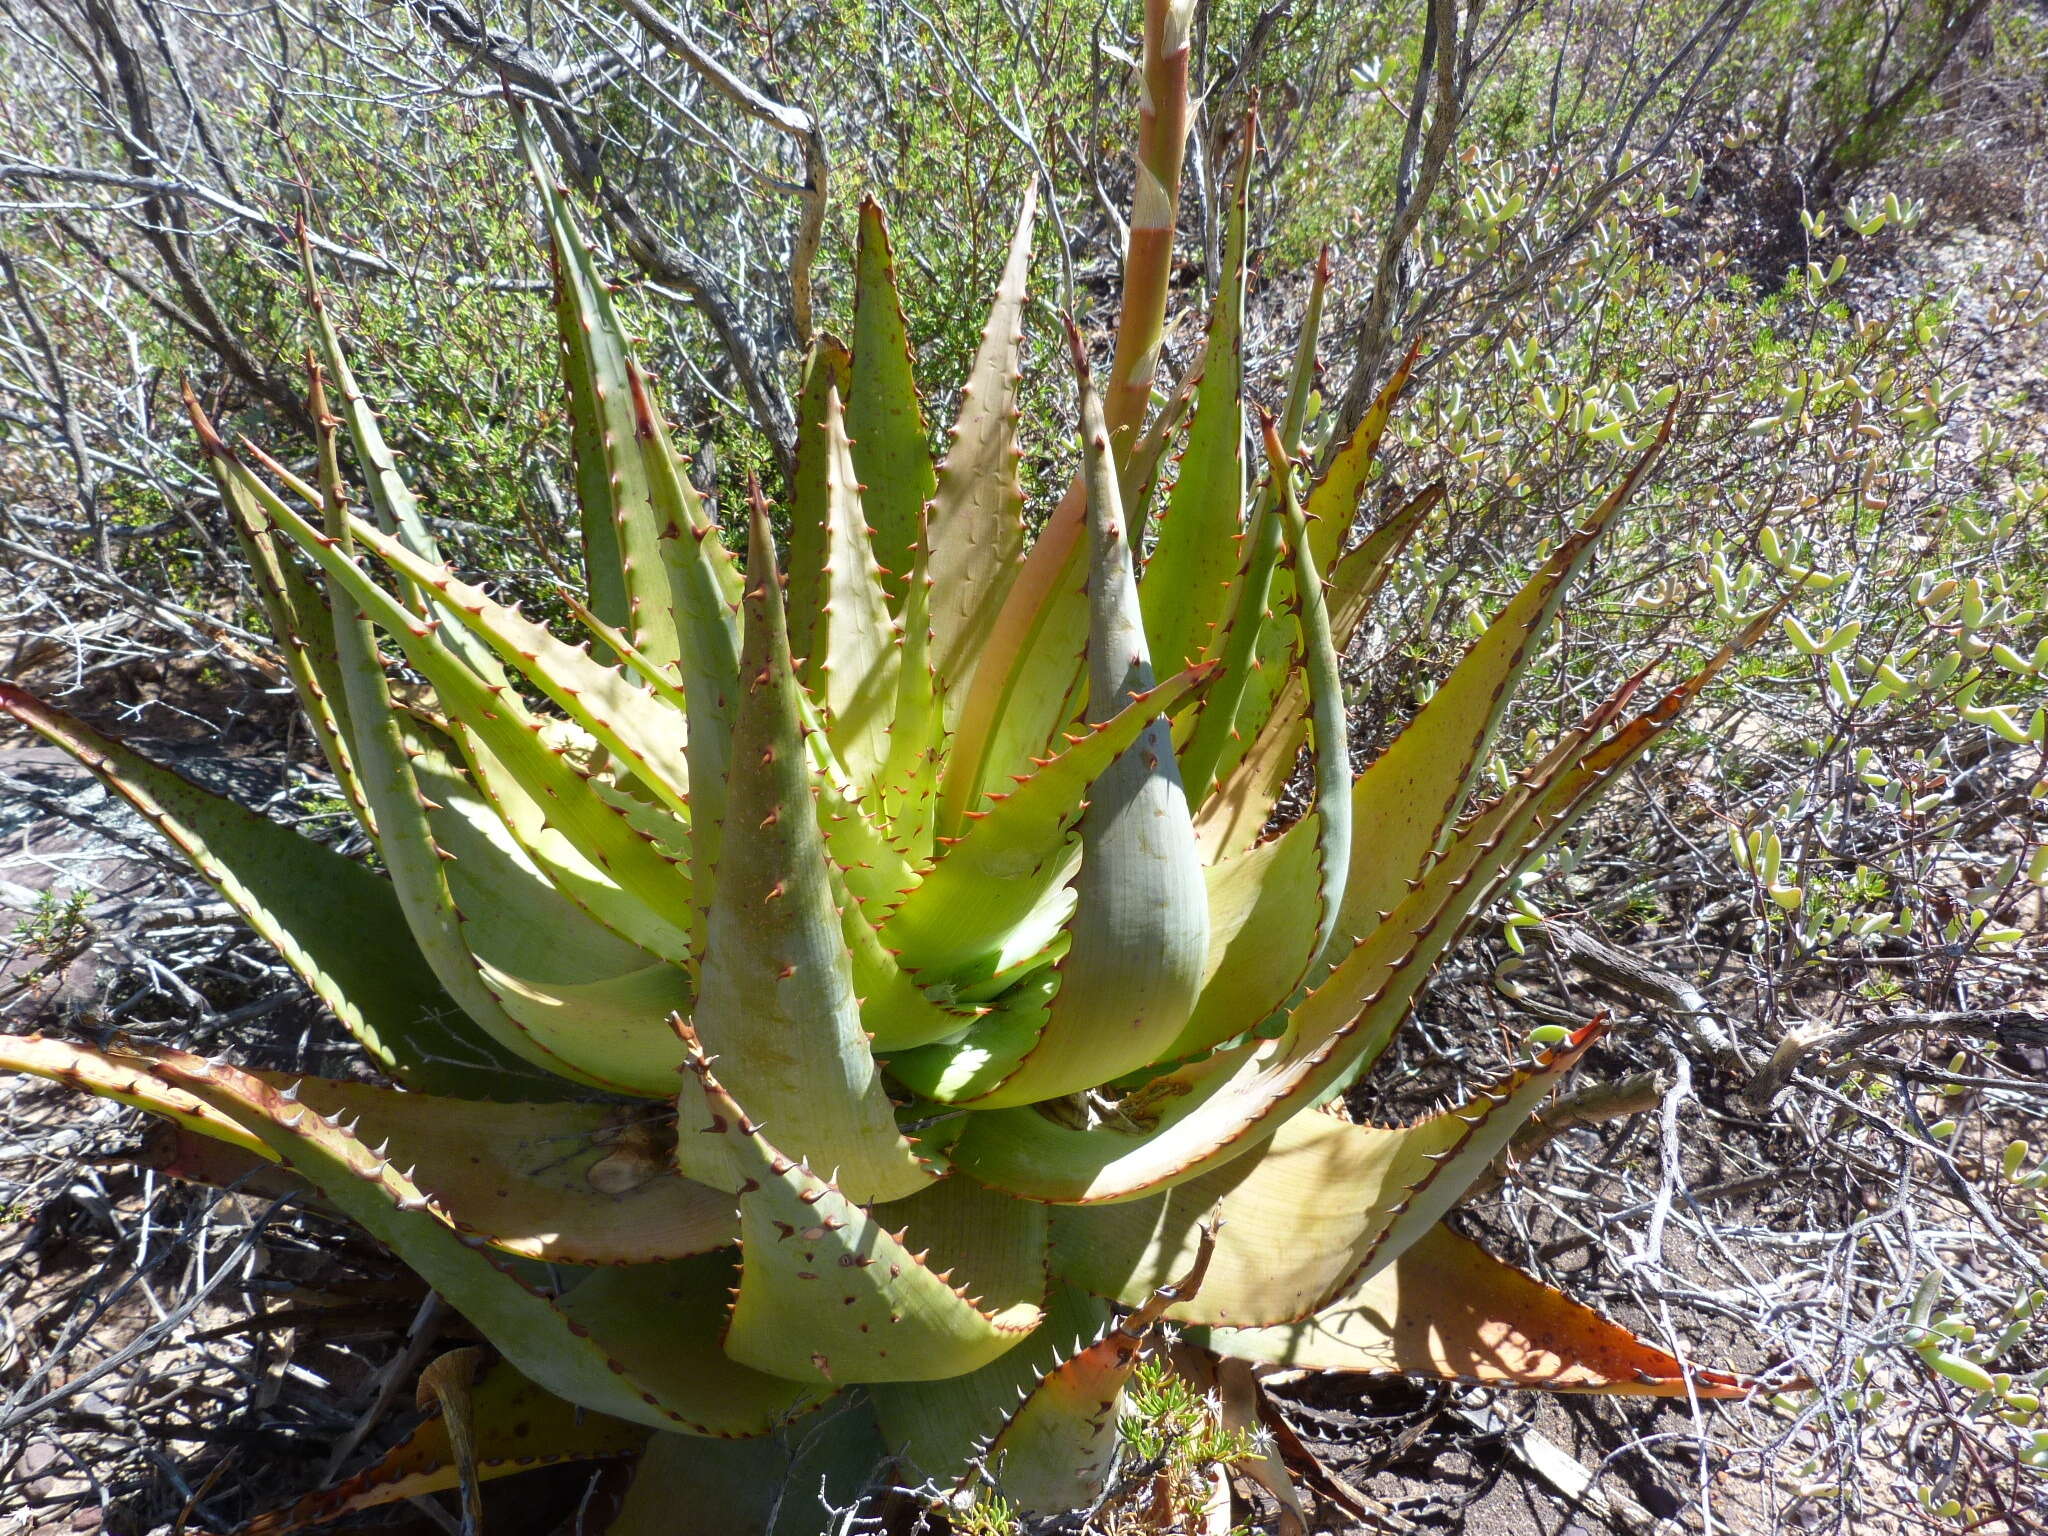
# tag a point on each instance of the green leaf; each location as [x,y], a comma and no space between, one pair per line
[1256,767]
[1206,1114]
[1322,1204]
[607,865]
[870,1309]
[827,369]
[624,526]
[1019,852]
[300,620]
[891,450]
[1054,1454]
[795,1482]
[856,646]
[1139,932]
[1413,792]
[910,778]
[974,540]
[1190,578]
[639,1342]
[941,1428]
[776,991]
[597,1005]
[1301,382]
[406,841]
[335,922]
[645,733]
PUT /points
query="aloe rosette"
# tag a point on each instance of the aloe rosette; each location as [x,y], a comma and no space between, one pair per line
[875,971]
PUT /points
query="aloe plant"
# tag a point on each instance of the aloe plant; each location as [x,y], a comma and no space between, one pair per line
[876,971]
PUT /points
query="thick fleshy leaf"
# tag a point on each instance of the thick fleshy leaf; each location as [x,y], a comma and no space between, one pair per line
[942,1428]
[1190,577]
[392,502]
[418,866]
[1320,1205]
[1054,1454]
[1402,805]
[337,923]
[892,452]
[871,1308]
[910,778]
[1256,767]
[677,580]
[634,889]
[854,645]
[300,621]
[795,1482]
[1412,793]
[1447,1309]
[1019,851]
[776,993]
[1138,936]
[566,1183]
[1301,382]
[638,1342]
[827,368]
[645,734]
[622,527]
[974,537]
[1201,1116]
[878,872]
[516,1426]
[1331,726]
[596,1005]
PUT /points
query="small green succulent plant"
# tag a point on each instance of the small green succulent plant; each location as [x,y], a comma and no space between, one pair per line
[875,972]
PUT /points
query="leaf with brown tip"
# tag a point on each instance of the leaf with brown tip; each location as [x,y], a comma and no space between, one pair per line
[1447,1309]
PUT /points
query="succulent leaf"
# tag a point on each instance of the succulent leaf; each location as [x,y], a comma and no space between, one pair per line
[579,993]
[974,536]
[891,451]
[1055,1452]
[776,991]
[516,1426]
[623,524]
[636,887]
[1016,854]
[1448,1309]
[1218,1108]
[775,1485]
[1412,792]
[827,369]
[300,621]
[646,735]
[415,861]
[941,1428]
[1256,766]
[336,923]
[639,1342]
[851,666]
[1301,382]
[873,1309]
[1322,1204]
[910,777]
[565,1183]
[1139,931]
[1191,576]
